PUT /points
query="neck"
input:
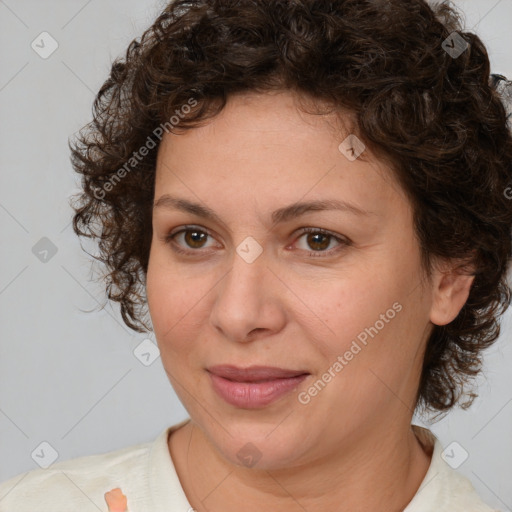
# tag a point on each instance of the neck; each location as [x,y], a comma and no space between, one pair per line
[381,471]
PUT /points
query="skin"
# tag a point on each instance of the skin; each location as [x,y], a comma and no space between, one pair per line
[351,448]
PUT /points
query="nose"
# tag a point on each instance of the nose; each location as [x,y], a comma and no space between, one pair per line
[250,301]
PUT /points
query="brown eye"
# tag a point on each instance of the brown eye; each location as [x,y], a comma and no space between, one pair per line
[188,239]
[318,242]
[195,238]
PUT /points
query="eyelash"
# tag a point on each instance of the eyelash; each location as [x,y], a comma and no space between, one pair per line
[344,242]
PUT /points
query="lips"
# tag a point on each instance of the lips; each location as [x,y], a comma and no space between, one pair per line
[254,373]
[254,387]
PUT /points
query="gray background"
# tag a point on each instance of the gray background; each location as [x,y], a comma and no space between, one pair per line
[71,378]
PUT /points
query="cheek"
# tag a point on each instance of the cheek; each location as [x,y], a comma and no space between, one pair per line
[354,303]
[384,353]
[168,305]
[177,303]
[371,316]
[167,298]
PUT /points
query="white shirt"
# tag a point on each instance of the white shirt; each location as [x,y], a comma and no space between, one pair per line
[146,475]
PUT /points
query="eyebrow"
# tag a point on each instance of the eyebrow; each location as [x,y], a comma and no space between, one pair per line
[280,215]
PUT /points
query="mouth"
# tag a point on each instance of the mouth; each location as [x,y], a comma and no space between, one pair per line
[254,387]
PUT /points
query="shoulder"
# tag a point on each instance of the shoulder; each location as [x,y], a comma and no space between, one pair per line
[459,493]
[444,489]
[76,483]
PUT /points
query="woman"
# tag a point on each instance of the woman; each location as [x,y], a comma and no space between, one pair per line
[308,198]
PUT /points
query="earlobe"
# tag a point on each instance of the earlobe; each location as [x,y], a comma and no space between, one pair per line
[450,293]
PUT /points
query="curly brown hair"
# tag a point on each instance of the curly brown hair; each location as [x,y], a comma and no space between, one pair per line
[436,116]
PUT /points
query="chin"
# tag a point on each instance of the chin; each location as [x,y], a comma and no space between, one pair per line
[263,445]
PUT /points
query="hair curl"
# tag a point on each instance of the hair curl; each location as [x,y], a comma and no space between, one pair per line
[437,118]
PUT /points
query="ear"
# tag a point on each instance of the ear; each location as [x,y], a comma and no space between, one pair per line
[450,291]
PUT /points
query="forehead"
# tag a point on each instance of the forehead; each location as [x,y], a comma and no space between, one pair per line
[250,122]
[281,111]
[266,143]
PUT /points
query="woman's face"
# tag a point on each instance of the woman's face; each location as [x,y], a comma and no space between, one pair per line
[343,309]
